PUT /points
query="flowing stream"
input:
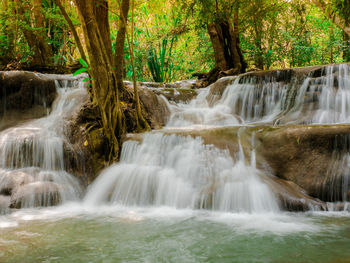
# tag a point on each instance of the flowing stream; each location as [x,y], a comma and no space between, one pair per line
[32,162]
[173,197]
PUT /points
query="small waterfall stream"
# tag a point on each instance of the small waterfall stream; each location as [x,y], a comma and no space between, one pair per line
[272,100]
[181,172]
[32,162]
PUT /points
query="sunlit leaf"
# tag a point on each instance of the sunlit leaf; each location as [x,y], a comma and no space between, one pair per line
[79,71]
[83,62]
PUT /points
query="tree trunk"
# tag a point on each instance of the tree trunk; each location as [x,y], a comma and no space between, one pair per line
[39,18]
[43,55]
[238,42]
[93,16]
[141,123]
[228,54]
[120,41]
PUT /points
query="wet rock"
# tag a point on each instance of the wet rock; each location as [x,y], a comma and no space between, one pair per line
[292,197]
[180,91]
[218,88]
[156,108]
[23,96]
[297,157]
[285,75]
[36,194]
[88,145]
[177,94]
[305,155]
[10,180]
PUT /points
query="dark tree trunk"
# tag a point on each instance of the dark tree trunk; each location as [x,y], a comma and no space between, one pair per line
[120,41]
[43,55]
[141,123]
[93,16]
[228,55]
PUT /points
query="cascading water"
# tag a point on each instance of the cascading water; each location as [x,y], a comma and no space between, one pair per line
[336,184]
[252,99]
[183,172]
[32,161]
[176,197]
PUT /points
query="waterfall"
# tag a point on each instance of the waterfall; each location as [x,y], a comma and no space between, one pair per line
[181,172]
[184,172]
[32,162]
[172,167]
[272,100]
[336,183]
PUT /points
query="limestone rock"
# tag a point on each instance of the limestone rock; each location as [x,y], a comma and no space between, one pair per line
[36,194]
[306,156]
[23,96]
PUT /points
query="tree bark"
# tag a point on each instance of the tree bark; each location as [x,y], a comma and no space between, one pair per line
[39,18]
[238,42]
[43,55]
[120,41]
[141,123]
[140,120]
[94,19]
[228,54]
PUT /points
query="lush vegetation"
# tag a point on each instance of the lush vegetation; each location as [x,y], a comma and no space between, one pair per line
[170,37]
[163,41]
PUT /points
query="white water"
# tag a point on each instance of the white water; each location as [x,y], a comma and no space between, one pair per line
[181,172]
[32,161]
[173,170]
[252,100]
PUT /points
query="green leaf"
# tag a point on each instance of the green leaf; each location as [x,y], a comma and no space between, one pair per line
[86,79]
[83,62]
[79,71]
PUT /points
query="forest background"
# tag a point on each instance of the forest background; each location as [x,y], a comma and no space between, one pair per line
[170,37]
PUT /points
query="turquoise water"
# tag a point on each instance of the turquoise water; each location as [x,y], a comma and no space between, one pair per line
[116,234]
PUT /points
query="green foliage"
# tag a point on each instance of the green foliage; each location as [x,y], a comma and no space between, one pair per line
[273,39]
[85,68]
[171,40]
